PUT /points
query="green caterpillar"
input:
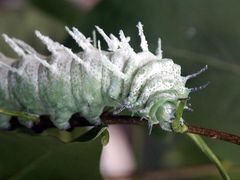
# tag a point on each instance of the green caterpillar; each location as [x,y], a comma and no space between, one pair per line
[65,83]
[86,82]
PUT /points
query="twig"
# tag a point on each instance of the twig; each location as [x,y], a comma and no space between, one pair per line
[108,118]
[214,134]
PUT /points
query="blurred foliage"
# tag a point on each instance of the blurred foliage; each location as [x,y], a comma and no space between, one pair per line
[41,157]
[194,33]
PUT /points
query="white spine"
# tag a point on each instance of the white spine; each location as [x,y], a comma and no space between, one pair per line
[27,48]
[197,73]
[76,58]
[105,61]
[14,46]
[159,49]
[114,39]
[87,46]
[112,44]
[10,68]
[125,43]
[144,44]
[43,62]
[54,46]
[81,40]
[94,38]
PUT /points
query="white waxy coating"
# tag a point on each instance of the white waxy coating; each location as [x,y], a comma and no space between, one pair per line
[112,43]
[159,49]
[158,84]
[13,45]
[144,44]
[10,68]
[81,40]
[5,62]
[26,47]
[121,77]
[145,73]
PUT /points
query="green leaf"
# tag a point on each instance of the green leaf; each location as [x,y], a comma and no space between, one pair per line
[40,157]
[105,137]
[208,152]
[24,115]
[92,134]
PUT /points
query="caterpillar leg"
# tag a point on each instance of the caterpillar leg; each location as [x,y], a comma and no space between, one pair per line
[24,118]
[4,122]
[95,120]
[61,119]
[24,122]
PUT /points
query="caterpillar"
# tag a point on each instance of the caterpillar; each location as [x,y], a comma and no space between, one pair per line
[86,82]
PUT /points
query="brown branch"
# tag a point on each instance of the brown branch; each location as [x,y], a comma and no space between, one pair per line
[108,118]
[214,134]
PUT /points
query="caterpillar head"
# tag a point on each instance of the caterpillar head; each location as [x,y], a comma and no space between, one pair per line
[165,107]
[169,112]
[173,105]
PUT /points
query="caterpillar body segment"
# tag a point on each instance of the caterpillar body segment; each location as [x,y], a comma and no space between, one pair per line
[66,82]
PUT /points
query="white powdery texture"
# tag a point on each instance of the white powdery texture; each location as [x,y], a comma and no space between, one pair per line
[122,61]
[115,45]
